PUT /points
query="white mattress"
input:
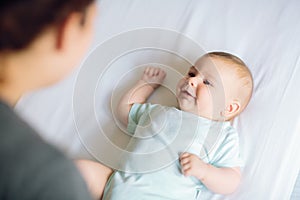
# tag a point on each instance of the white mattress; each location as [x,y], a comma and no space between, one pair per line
[172,33]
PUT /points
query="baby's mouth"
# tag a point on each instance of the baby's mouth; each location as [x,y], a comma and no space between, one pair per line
[188,93]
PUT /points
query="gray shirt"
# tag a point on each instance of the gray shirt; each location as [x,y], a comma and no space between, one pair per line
[32,169]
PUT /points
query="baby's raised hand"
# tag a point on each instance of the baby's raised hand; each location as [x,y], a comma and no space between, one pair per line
[154,76]
[192,165]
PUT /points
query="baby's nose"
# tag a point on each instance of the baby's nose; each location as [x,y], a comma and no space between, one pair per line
[194,81]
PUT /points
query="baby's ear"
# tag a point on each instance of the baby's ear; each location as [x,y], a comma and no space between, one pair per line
[232,109]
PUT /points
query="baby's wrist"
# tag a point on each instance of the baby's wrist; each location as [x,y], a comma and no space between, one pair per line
[147,84]
[204,172]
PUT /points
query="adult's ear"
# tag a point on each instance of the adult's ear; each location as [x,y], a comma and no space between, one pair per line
[232,109]
[67,31]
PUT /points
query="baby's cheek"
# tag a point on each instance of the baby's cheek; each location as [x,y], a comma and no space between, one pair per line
[204,94]
[179,85]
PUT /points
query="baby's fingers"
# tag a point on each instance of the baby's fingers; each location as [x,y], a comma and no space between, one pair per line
[186,169]
[154,71]
[154,76]
[185,163]
[185,166]
[185,155]
[184,160]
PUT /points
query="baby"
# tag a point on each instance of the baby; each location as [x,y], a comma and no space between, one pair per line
[210,95]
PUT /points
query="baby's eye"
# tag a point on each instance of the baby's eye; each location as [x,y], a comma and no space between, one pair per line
[191,74]
[206,82]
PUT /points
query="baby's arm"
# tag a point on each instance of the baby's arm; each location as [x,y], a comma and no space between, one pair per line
[150,80]
[219,180]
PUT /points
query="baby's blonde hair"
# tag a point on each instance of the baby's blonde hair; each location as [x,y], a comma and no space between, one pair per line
[242,72]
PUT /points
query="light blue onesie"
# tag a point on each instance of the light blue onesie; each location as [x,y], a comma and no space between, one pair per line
[161,134]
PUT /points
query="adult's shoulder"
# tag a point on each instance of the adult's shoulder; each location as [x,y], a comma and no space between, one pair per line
[31,168]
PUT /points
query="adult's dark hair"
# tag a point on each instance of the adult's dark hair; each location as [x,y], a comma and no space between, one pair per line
[22,20]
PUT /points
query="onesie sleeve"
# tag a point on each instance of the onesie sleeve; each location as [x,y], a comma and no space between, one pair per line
[228,153]
[137,113]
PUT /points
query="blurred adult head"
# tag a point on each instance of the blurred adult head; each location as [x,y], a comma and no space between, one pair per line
[41,41]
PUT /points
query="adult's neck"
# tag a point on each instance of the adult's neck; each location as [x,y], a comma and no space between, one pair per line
[11,87]
[9,97]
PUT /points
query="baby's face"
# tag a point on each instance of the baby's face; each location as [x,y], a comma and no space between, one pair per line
[207,89]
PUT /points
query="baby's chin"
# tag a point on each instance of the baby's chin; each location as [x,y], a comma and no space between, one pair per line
[185,106]
[193,110]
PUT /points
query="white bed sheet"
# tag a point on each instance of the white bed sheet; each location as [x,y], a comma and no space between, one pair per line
[265,34]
